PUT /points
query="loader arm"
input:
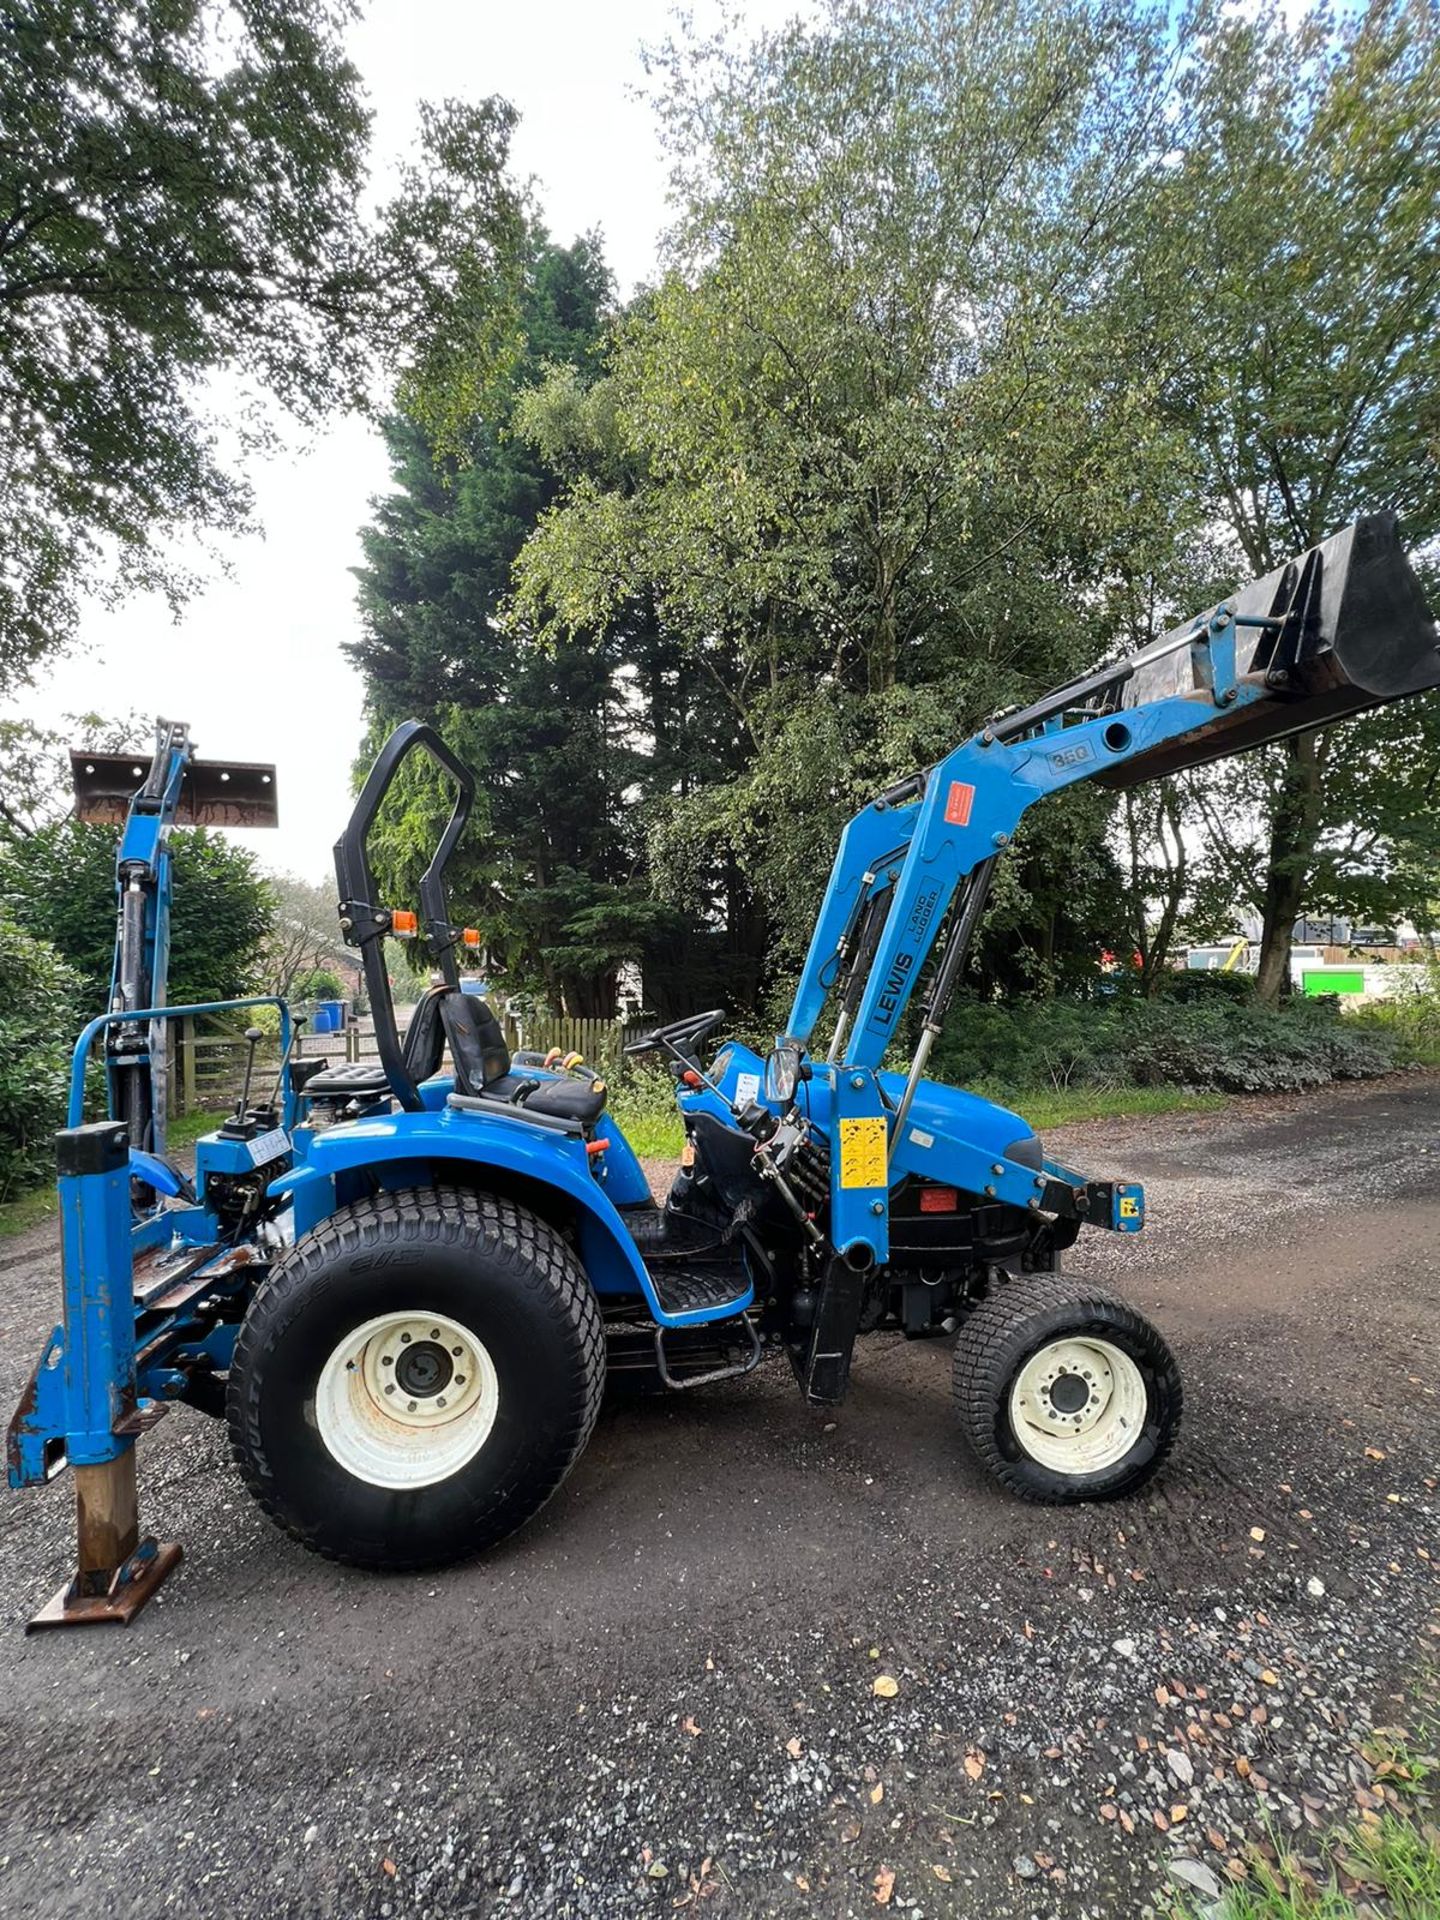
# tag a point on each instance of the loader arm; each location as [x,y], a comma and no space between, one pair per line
[1342,628]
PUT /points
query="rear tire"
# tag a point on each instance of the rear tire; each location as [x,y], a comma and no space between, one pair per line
[416,1378]
[1065,1393]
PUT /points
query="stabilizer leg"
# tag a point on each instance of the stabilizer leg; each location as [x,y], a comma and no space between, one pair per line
[116,1571]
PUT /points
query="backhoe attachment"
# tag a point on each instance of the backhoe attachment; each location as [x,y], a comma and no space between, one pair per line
[213,793]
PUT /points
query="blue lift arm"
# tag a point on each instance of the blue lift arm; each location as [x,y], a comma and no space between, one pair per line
[1341,628]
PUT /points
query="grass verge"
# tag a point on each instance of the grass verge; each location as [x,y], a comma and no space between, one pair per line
[1046,1107]
[188,1127]
[1386,1863]
[653,1136]
[27,1210]
[1356,1873]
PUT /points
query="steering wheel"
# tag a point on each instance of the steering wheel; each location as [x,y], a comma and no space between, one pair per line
[681,1037]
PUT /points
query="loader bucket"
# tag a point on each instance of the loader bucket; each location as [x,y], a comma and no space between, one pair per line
[234,793]
[1349,629]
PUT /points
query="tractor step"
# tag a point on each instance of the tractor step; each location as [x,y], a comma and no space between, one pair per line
[748,1346]
[692,1293]
[661,1235]
[712,1295]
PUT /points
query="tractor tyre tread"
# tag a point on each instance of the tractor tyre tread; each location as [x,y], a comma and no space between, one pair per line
[444,1217]
[983,1365]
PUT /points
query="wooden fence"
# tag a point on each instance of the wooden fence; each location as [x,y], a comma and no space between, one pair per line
[600,1043]
[207,1055]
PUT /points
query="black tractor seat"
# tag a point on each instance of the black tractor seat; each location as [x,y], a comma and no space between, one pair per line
[483,1066]
[582,1100]
[422,1053]
[482,1063]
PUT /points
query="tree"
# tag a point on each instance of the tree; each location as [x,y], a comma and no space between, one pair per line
[35,776]
[59,885]
[182,192]
[551,868]
[303,938]
[713,940]
[885,468]
[1151,829]
[1376,855]
[1286,276]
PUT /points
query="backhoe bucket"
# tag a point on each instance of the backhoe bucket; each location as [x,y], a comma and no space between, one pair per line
[1339,629]
[233,793]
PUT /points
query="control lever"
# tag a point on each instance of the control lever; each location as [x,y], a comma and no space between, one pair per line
[292,1052]
[242,1106]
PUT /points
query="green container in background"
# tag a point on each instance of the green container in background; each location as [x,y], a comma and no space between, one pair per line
[1337,982]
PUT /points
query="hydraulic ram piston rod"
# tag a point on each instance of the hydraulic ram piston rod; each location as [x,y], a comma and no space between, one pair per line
[946,976]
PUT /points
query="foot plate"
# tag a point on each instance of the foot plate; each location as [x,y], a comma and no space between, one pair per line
[144,1572]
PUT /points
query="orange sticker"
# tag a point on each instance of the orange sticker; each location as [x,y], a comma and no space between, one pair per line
[958,803]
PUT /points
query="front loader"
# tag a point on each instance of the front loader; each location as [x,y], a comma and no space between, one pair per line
[408,1280]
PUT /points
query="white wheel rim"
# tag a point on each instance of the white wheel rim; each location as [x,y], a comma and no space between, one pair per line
[1078,1405]
[407,1399]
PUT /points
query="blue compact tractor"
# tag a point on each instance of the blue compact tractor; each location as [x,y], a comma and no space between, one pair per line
[402,1284]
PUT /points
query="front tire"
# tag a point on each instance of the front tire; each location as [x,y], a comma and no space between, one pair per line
[1064,1392]
[416,1378]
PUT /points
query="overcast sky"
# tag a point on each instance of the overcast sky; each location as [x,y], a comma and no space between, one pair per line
[255,664]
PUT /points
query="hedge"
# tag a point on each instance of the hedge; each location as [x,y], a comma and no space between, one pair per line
[1212,1042]
[41,1008]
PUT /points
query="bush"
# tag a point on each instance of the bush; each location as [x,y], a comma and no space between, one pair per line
[642,1099]
[41,1001]
[60,886]
[1207,987]
[1408,1021]
[1215,1043]
[319,984]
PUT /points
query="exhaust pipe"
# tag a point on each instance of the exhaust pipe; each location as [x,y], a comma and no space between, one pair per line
[1341,628]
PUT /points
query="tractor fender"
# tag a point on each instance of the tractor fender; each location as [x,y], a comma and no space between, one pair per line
[432,1143]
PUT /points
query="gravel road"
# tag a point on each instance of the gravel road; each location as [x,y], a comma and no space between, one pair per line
[662,1696]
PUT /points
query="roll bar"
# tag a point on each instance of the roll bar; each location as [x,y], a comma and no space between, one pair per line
[365,923]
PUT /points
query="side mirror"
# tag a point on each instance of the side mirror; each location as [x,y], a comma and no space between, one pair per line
[784,1071]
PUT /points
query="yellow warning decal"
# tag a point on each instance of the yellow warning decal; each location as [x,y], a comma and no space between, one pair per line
[1129,1209]
[863,1152]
